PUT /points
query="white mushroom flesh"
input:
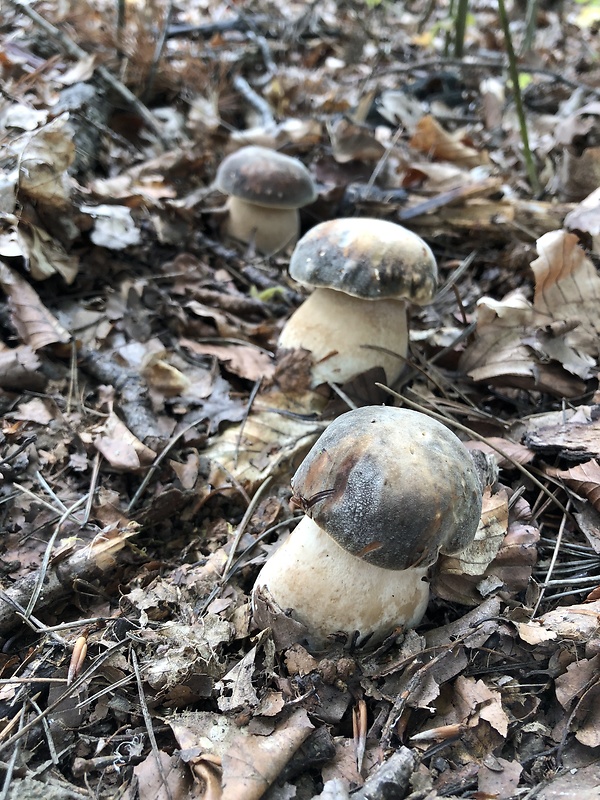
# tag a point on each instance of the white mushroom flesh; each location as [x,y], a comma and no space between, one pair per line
[270,229]
[328,590]
[348,335]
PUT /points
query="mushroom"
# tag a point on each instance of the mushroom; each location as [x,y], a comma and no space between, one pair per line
[384,490]
[366,272]
[265,189]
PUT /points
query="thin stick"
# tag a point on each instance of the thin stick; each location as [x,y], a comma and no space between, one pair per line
[149,728]
[48,552]
[257,102]
[547,582]
[242,526]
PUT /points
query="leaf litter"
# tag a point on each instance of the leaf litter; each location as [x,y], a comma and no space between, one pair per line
[150,427]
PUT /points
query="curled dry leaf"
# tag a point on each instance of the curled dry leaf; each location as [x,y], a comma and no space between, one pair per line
[510,567]
[429,137]
[584,480]
[516,451]
[539,345]
[247,361]
[45,159]
[36,326]
[119,446]
[567,287]
[253,763]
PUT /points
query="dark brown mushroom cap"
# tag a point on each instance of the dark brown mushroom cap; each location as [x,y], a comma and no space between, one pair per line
[368,258]
[266,178]
[391,486]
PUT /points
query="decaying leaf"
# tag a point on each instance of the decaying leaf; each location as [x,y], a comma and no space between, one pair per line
[253,762]
[36,326]
[567,288]
[429,137]
[46,156]
[119,446]
[114,226]
[578,623]
[498,777]
[571,433]
[583,479]
[541,344]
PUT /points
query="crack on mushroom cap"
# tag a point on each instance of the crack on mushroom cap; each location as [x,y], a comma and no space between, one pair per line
[367,258]
[266,178]
[403,487]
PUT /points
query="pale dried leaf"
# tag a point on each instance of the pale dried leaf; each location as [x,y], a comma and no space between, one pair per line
[45,159]
[114,226]
[164,377]
[246,361]
[45,256]
[253,763]
[498,351]
[534,632]
[478,701]
[19,369]
[119,446]
[151,785]
[568,288]
[571,683]
[583,479]
[36,326]
[35,410]
[498,777]
[578,623]
[429,137]
[236,691]
[585,217]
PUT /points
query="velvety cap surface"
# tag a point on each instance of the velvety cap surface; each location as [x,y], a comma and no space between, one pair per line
[368,258]
[265,177]
[391,486]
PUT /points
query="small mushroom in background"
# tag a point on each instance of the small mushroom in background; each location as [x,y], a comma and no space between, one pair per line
[366,272]
[385,490]
[265,189]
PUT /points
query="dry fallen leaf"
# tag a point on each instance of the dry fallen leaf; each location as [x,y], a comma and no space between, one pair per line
[430,138]
[584,480]
[541,345]
[252,763]
[498,778]
[567,288]
[36,326]
[119,446]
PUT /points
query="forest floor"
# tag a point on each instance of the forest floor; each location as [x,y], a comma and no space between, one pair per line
[135,337]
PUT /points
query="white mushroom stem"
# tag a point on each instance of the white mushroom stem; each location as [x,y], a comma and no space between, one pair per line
[271,229]
[329,590]
[348,335]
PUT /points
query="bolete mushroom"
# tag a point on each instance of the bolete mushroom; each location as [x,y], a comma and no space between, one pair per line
[366,272]
[265,189]
[384,490]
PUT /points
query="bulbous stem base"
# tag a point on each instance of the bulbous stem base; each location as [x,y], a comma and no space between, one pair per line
[328,590]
